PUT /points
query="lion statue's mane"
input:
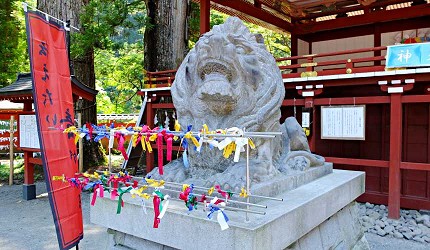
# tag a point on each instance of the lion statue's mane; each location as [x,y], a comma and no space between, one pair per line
[229,79]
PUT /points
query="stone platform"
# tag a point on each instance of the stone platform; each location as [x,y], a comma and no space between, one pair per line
[319,215]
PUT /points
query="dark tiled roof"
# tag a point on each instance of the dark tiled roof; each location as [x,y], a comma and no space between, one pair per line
[22,88]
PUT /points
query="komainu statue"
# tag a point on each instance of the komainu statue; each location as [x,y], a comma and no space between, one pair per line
[229,79]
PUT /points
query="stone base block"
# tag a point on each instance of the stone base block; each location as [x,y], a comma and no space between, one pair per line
[319,215]
[28,192]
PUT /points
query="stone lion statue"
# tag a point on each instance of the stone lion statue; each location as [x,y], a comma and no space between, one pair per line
[229,79]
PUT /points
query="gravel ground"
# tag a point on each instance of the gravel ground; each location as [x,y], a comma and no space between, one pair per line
[29,225]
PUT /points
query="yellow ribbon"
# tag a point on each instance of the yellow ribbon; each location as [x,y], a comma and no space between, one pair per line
[184,187]
[134,139]
[72,129]
[153,137]
[188,135]
[229,149]
[211,190]
[251,143]
[154,183]
[243,193]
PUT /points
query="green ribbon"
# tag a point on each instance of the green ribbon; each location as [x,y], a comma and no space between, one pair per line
[161,196]
[121,192]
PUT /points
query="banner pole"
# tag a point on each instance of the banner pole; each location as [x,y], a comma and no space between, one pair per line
[11,167]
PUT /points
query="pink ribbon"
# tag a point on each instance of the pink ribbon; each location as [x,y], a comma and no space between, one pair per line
[121,139]
[169,140]
[222,193]
[156,202]
[160,151]
[101,191]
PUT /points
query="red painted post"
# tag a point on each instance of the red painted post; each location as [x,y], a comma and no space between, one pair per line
[205,7]
[394,181]
[28,168]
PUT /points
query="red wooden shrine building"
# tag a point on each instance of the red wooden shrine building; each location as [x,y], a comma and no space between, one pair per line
[337,58]
[21,91]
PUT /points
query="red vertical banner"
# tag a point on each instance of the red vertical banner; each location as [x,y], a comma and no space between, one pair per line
[53,101]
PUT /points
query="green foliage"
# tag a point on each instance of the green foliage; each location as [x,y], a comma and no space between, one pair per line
[119,76]
[108,24]
[13,47]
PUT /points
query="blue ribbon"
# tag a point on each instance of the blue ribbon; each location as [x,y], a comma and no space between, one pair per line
[92,184]
[215,209]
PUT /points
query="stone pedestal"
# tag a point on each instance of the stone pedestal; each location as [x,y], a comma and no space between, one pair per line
[318,215]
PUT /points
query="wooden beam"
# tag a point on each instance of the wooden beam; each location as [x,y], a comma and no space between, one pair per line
[394,176]
[360,20]
[358,162]
[205,7]
[415,166]
[390,26]
[251,10]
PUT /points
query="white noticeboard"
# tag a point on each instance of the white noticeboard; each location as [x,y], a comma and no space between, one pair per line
[28,134]
[343,122]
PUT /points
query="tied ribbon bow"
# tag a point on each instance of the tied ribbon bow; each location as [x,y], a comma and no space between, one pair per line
[121,139]
[101,133]
[243,193]
[120,201]
[159,207]
[235,144]
[97,187]
[224,194]
[222,218]
[73,130]
[154,183]
[188,197]
[160,137]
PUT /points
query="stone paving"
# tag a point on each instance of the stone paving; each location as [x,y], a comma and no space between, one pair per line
[413,225]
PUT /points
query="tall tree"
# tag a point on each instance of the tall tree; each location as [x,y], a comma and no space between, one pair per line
[83,66]
[13,44]
[165,37]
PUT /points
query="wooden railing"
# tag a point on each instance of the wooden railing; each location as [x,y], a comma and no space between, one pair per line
[311,65]
[321,65]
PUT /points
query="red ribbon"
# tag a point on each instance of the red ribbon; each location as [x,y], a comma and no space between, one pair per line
[121,139]
[101,194]
[222,193]
[156,202]
[90,130]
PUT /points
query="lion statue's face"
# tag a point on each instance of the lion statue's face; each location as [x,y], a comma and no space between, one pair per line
[229,79]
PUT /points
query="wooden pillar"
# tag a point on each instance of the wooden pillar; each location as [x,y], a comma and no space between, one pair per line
[309,103]
[294,50]
[394,181]
[28,168]
[377,42]
[149,123]
[205,7]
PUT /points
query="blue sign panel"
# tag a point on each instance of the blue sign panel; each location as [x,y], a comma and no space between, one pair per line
[408,55]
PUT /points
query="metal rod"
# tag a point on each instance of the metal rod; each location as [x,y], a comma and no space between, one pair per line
[222,207]
[206,189]
[127,132]
[210,197]
[247,179]
[231,208]
[155,89]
